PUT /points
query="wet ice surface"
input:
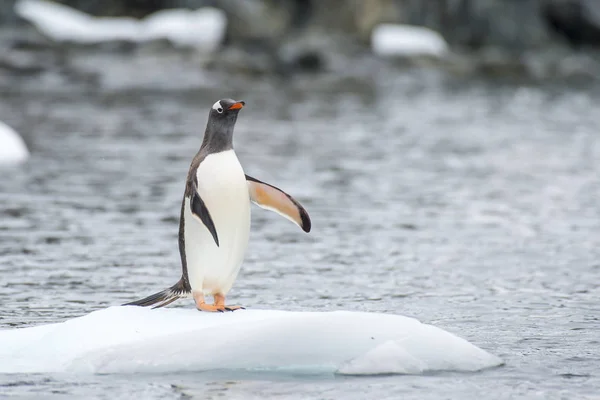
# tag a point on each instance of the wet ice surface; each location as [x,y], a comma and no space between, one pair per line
[471,206]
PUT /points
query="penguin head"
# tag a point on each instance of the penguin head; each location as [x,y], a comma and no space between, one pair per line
[221,121]
[226,109]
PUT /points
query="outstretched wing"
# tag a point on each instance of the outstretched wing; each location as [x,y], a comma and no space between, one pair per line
[199,210]
[272,198]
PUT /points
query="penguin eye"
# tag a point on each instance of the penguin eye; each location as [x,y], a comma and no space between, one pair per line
[218,107]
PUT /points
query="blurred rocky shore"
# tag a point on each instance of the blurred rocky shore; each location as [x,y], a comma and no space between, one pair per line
[540,39]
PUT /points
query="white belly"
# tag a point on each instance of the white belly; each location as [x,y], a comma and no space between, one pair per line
[223,188]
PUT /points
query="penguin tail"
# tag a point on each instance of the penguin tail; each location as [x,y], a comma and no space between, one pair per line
[165,297]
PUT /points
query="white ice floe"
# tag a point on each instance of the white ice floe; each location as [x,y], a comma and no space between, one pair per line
[390,40]
[203,28]
[133,339]
[12,147]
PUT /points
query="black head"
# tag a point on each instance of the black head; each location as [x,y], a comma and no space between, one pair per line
[221,121]
[225,109]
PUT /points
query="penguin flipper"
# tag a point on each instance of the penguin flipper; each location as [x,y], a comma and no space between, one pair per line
[199,210]
[164,297]
[272,198]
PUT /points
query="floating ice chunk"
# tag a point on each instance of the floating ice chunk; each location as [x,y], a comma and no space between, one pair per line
[203,28]
[62,23]
[12,147]
[390,40]
[134,339]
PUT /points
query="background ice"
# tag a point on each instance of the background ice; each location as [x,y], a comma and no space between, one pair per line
[202,28]
[132,339]
[12,147]
[407,40]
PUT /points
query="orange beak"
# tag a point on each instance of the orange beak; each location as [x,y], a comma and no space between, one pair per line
[237,106]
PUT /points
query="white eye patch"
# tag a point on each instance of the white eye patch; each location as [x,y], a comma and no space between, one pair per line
[217,106]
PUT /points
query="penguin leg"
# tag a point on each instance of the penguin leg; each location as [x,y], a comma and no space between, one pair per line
[202,306]
[220,303]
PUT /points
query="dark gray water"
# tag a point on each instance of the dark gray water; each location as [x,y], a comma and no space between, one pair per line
[467,204]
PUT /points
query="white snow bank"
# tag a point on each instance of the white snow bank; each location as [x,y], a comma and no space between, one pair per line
[405,40]
[133,339]
[203,28]
[12,147]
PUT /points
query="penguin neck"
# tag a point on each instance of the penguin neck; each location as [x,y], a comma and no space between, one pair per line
[217,138]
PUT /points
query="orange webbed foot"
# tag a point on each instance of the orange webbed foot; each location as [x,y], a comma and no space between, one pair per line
[209,308]
[220,302]
[218,306]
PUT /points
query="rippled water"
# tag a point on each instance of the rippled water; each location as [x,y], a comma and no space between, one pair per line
[467,204]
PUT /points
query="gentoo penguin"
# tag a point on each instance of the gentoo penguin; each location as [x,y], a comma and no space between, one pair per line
[215,216]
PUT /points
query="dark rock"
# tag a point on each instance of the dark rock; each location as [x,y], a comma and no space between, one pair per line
[310,61]
[283,37]
[578,21]
[474,24]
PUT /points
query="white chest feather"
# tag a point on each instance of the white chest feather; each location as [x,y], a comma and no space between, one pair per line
[223,188]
